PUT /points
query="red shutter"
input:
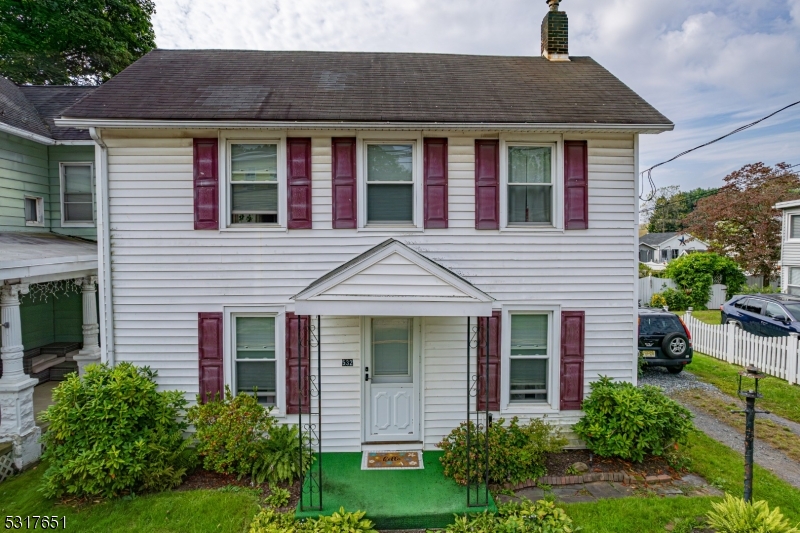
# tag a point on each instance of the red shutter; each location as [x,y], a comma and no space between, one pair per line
[572,343]
[344,183]
[295,377]
[576,185]
[494,361]
[206,184]
[487,184]
[299,183]
[209,348]
[435,163]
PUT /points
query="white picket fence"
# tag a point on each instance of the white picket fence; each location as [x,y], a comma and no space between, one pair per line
[648,286]
[776,356]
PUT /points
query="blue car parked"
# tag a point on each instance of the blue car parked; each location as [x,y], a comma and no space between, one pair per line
[768,315]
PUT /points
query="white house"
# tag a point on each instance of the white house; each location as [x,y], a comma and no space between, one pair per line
[661,248]
[376,237]
[790,247]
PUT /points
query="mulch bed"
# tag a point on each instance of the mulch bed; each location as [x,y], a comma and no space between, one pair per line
[558,463]
[204,479]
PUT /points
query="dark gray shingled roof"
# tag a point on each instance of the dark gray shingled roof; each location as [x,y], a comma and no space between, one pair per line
[17,112]
[654,239]
[365,87]
[51,100]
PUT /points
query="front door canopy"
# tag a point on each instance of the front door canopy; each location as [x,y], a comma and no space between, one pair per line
[391,279]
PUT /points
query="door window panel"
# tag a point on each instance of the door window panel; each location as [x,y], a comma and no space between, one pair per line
[391,350]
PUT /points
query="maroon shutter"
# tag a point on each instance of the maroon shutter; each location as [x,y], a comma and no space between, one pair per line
[297,376]
[209,349]
[572,343]
[206,184]
[435,164]
[344,183]
[487,184]
[494,361]
[299,183]
[576,185]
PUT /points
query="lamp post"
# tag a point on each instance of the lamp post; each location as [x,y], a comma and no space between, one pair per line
[750,395]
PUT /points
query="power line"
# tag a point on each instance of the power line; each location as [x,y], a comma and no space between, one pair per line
[737,130]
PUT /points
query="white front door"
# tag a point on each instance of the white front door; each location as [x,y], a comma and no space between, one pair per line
[391,384]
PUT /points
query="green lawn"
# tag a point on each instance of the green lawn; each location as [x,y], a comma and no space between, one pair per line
[197,511]
[779,397]
[718,464]
[710,316]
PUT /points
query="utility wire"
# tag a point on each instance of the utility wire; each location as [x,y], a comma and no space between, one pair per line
[649,171]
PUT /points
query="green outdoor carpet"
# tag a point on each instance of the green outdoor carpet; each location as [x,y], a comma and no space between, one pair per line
[393,499]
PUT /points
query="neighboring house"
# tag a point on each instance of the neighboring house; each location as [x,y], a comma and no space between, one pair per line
[48,254]
[790,247]
[661,248]
[374,225]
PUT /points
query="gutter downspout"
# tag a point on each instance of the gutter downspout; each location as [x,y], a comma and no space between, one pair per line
[104,250]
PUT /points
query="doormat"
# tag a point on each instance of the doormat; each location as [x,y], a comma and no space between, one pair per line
[392,461]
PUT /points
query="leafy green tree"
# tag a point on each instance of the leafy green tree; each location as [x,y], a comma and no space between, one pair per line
[72,42]
[695,273]
[670,208]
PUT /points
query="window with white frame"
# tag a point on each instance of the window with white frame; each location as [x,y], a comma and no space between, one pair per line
[77,200]
[254,367]
[530,191]
[34,211]
[794,226]
[253,183]
[676,253]
[529,358]
[390,181]
[793,285]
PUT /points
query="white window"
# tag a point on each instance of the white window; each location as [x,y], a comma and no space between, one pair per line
[529,358]
[794,226]
[391,183]
[676,253]
[793,286]
[530,193]
[77,194]
[34,211]
[254,183]
[255,368]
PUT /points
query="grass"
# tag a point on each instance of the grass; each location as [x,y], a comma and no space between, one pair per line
[710,316]
[195,511]
[779,397]
[715,462]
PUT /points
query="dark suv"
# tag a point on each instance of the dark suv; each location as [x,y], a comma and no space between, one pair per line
[768,315]
[664,340]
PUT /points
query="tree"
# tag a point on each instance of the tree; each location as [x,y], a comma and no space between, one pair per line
[669,209]
[695,273]
[740,221]
[72,42]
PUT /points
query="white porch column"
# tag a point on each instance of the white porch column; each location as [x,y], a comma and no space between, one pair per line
[90,353]
[17,424]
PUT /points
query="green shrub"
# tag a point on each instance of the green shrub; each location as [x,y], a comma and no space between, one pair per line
[111,432]
[524,517]
[674,299]
[236,435]
[269,521]
[735,516]
[658,300]
[695,273]
[516,452]
[631,422]
[278,497]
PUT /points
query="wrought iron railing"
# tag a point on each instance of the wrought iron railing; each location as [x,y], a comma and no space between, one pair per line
[477,477]
[310,429]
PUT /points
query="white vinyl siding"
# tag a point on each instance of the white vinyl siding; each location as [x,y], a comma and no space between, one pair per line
[164,272]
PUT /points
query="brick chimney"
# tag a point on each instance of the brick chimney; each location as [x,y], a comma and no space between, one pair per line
[555,33]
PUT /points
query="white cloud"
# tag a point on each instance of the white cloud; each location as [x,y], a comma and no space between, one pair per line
[709,65]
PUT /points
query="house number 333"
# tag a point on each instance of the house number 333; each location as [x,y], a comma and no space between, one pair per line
[35,522]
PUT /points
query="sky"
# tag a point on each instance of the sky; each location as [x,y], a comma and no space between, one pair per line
[709,65]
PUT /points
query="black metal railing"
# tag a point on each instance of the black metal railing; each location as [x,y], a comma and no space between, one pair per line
[310,429]
[478,471]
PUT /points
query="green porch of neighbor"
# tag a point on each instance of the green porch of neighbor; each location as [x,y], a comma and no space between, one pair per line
[392,499]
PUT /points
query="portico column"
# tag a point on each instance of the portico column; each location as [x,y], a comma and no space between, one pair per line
[90,353]
[17,423]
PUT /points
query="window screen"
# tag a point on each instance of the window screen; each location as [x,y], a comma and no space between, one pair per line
[391,350]
[254,184]
[530,187]
[529,358]
[794,227]
[78,194]
[255,357]
[390,184]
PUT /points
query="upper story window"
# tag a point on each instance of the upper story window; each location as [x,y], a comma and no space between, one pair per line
[77,198]
[676,253]
[794,226]
[529,358]
[253,183]
[34,211]
[254,357]
[390,179]
[530,185]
